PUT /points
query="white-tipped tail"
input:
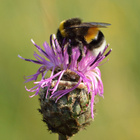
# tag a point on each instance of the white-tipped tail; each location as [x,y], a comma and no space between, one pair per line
[96,51]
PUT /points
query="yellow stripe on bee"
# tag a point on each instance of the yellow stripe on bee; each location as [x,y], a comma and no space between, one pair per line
[61,28]
[91,34]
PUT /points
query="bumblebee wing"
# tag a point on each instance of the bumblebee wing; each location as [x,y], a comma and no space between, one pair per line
[90,24]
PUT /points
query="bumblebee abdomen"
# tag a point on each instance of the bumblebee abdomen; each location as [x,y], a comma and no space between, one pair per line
[96,42]
[91,34]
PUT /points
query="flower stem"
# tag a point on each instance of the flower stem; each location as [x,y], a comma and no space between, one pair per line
[63,137]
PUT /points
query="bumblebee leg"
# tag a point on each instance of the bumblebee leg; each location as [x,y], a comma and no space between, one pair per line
[69,51]
[81,51]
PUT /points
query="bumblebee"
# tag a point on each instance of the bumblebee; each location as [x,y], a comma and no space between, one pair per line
[77,33]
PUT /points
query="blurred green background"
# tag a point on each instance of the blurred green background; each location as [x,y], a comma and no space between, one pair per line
[118,114]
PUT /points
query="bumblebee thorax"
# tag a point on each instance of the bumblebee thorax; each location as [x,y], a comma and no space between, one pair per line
[61,28]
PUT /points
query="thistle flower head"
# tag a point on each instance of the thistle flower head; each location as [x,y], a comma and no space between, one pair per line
[84,74]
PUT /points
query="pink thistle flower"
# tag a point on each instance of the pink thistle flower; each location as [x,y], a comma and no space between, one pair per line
[86,73]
